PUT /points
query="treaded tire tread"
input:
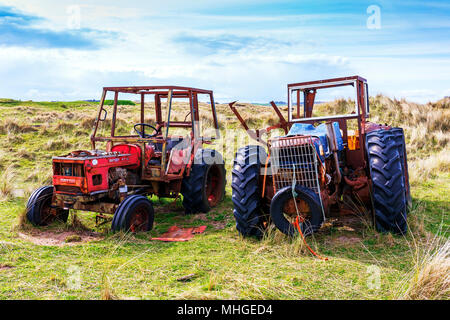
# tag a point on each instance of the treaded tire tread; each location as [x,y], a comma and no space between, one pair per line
[246,191]
[192,187]
[31,203]
[115,224]
[34,205]
[125,207]
[399,138]
[307,195]
[388,186]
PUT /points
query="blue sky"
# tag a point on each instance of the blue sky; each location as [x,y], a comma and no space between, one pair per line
[246,50]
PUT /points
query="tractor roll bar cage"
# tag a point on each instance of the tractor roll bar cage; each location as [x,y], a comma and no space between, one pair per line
[159,92]
[309,92]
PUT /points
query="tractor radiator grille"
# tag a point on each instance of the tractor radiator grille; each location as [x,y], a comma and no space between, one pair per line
[68,169]
[68,189]
[294,159]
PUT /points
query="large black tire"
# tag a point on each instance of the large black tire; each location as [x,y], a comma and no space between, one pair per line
[388,189]
[309,226]
[39,206]
[204,188]
[134,214]
[246,190]
[399,138]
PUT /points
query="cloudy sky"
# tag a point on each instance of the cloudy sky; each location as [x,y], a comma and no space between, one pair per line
[242,49]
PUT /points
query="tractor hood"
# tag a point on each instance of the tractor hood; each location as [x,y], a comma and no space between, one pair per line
[87,155]
[87,171]
[320,132]
[124,154]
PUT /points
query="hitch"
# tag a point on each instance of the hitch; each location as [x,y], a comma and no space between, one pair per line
[103,218]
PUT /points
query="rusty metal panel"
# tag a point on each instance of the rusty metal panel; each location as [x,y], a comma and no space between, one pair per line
[294,159]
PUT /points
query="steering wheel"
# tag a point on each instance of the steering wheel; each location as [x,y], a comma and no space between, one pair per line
[144,135]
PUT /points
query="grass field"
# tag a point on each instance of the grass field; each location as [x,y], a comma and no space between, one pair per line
[52,263]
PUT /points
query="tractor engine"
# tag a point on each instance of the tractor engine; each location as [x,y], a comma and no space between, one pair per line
[295,160]
[309,156]
[85,176]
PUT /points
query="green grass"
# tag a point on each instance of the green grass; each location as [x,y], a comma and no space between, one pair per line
[54,105]
[224,265]
[119,102]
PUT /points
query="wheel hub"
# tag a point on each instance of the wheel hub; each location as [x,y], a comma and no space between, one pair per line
[138,221]
[213,186]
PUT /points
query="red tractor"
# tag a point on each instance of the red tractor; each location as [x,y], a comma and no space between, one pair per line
[324,165]
[116,181]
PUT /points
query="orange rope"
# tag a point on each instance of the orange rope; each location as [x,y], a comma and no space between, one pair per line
[265,175]
[296,224]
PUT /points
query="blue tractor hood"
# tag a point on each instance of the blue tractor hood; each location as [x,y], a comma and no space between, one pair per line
[304,129]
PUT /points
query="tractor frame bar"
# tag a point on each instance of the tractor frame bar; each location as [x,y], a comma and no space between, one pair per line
[355,158]
[159,92]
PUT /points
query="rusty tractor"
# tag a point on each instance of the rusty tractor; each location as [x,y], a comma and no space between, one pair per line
[153,160]
[323,166]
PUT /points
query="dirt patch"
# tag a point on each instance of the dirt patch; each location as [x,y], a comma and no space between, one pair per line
[199,216]
[5,266]
[203,217]
[63,238]
[218,224]
[349,223]
[171,207]
[347,240]
[187,278]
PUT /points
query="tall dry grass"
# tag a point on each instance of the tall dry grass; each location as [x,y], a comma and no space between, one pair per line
[426,126]
[7,177]
[11,127]
[107,291]
[430,277]
[423,169]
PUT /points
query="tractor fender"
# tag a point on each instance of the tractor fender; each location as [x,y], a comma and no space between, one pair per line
[132,149]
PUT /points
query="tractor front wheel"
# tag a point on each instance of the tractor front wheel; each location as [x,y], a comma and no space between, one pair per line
[307,210]
[204,188]
[40,211]
[134,214]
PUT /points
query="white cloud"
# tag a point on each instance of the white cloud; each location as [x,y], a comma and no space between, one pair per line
[256,66]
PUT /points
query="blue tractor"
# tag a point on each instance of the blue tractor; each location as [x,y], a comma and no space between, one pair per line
[323,166]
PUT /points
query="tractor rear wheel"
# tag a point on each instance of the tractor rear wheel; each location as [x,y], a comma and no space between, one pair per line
[399,138]
[134,214]
[388,188]
[204,188]
[246,190]
[40,211]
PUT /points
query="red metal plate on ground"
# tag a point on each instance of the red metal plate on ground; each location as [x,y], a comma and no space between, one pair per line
[180,234]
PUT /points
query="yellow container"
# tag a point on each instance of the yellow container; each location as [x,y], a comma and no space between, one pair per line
[353,142]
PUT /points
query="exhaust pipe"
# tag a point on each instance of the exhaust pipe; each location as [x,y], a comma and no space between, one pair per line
[333,146]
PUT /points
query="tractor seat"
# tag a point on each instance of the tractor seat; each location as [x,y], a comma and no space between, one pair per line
[171,142]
